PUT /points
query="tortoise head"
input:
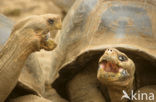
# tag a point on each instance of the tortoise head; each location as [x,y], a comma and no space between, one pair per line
[35,30]
[115,68]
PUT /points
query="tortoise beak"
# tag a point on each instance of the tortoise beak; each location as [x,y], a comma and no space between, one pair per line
[59,25]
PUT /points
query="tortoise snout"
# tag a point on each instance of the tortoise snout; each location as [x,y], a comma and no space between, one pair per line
[110,51]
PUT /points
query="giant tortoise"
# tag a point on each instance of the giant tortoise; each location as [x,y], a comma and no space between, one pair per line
[125,31]
[28,35]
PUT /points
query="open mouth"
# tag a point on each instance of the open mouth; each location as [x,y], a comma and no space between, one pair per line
[48,43]
[112,71]
[109,67]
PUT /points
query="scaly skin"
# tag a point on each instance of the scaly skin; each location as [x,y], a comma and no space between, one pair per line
[116,80]
[29,35]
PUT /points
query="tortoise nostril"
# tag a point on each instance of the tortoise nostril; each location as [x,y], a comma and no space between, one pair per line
[109,50]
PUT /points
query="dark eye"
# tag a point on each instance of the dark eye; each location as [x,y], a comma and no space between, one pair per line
[50,21]
[122,58]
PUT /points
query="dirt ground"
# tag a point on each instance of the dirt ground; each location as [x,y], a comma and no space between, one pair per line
[17,9]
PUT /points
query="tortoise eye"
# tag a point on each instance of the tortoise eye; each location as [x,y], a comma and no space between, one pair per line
[50,21]
[122,58]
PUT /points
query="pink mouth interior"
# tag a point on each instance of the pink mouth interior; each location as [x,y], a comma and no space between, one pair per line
[109,67]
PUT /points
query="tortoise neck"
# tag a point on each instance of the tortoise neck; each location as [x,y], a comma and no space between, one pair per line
[116,92]
[12,58]
[16,49]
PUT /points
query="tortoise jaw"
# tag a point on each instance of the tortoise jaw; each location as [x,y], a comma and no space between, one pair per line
[47,43]
[112,71]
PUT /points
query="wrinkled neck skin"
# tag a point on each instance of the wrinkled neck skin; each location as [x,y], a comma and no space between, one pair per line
[12,58]
[116,92]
